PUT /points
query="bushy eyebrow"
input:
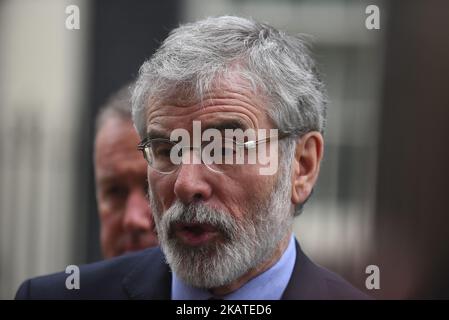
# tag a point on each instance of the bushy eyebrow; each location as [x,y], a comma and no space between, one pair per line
[155,134]
[221,125]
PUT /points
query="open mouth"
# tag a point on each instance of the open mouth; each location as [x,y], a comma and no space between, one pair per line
[195,234]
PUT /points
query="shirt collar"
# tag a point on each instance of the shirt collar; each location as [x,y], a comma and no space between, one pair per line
[269,285]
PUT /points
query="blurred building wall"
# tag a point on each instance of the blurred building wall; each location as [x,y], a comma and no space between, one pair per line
[412,233]
[41,95]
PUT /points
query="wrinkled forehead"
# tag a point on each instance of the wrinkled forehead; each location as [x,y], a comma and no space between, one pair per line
[225,107]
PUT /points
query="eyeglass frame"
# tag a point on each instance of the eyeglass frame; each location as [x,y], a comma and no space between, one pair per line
[248,145]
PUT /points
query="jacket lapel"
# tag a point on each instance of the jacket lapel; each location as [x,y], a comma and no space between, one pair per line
[150,278]
[306,281]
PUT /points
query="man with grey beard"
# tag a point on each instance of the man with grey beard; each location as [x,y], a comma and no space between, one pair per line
[224,225]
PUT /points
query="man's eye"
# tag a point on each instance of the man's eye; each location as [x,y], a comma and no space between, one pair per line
[162,151]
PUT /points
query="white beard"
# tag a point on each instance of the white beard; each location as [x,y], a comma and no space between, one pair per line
[247,243]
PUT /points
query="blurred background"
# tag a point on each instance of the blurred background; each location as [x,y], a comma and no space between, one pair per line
[381,197]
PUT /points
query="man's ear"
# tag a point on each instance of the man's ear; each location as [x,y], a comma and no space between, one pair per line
[306,165]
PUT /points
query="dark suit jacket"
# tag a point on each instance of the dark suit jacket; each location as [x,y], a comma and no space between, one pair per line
[145,275]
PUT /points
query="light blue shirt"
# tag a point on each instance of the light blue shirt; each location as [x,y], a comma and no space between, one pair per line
[269,285]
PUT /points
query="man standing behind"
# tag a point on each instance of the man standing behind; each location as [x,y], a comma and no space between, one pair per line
[121,184]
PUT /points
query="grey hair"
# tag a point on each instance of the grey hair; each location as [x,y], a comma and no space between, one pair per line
[197,55]
[118,105]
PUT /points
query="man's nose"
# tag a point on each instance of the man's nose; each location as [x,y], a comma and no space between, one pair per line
[191,184]
[137,212]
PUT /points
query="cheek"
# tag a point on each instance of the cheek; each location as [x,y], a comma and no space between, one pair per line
[243,194]
[111,224]
[162,187]
[256,189]
[251,183]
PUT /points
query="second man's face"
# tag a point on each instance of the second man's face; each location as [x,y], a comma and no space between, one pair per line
[120,174]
